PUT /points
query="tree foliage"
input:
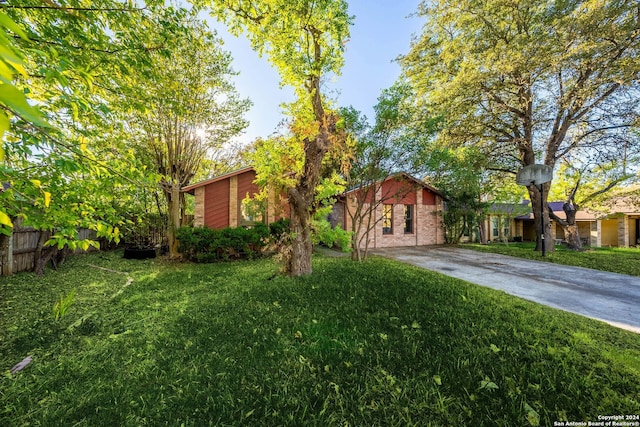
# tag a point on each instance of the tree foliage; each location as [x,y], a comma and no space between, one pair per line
[582,185]
[529,81]
[304,40]
[75,61]
[389,146]
[191,110]
[460,176]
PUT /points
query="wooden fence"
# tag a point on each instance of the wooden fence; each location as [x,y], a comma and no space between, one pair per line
[17,252]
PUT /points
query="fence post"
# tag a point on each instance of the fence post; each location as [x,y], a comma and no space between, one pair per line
[7,255]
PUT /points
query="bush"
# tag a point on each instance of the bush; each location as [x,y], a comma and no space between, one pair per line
[279,228]
[330,236]
[203,244]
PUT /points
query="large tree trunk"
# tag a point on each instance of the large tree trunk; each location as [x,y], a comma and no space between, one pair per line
[299,262]
[173,200]
[302,196]
[43,254]
[572,237]
[534,195]
[482,232]
[301,201]
[569,226]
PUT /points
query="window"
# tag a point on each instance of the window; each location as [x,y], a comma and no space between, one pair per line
[249,214]
[408,219]
[496,227]
[387,219]
[506,231]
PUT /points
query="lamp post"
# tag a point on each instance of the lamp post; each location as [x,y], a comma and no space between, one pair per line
[537,175]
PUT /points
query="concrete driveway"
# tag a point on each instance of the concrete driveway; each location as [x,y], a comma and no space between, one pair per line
[612,298]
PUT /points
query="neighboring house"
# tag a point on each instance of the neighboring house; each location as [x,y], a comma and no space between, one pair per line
[500,224]
[405,212]
[620,226]
[218,201]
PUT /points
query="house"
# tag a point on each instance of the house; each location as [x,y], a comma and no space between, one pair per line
[499,222]
[399,211]
[617,226]
[407,211]
[218,201]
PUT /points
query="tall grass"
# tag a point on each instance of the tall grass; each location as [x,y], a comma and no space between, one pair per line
[377,343]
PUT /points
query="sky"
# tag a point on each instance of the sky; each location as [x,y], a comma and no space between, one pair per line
[381,31]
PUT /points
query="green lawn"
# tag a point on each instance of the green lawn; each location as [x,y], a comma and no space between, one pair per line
[615,260]
[378,343]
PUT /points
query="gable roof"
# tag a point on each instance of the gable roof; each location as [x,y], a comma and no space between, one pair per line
[191,188]
[398,177]
[581,215]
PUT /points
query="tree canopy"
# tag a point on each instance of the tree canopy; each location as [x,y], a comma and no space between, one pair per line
[304,40]
[191,109]
[529,81]
[86,69]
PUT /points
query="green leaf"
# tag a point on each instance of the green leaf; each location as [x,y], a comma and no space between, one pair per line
[16,101]
[5,123]
[5,220]
[532,416]
[487,384]
[10,57]
[9,24]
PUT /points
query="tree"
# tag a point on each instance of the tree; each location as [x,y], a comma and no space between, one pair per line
[75,170]
[460,176]
[529,81]
[304,40]
[381,150]
[192,109]
[582,185]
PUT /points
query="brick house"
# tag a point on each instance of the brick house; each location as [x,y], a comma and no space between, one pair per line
[402,211]
[218,201]
[407,211]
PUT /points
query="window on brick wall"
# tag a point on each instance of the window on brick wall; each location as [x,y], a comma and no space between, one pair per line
[387,219]
[249,215]
[408,219]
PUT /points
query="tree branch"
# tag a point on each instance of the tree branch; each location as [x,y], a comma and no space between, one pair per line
[556,218]
[53,6]
[109,51]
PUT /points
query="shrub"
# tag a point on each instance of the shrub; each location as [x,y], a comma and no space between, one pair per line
[203,244]
[330,236]
[279,228]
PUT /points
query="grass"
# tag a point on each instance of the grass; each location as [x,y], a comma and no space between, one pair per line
[615,260]
[377,343]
